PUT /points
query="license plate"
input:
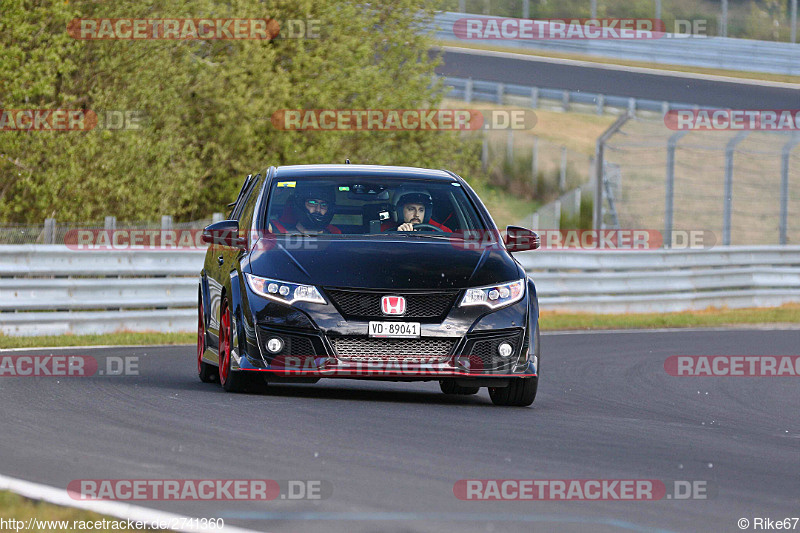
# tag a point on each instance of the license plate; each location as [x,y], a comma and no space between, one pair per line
[402,330]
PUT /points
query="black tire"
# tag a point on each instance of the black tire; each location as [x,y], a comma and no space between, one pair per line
[449,386]
[205,371]
[231,381]
[520,392]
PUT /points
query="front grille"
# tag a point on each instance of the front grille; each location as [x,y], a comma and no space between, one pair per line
[366,305]
[411,350]
[484,354]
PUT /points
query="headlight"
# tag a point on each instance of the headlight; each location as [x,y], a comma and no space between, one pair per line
[284,291]
[496,296]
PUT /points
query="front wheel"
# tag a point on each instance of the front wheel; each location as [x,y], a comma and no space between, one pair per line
[520,392]
[231,381]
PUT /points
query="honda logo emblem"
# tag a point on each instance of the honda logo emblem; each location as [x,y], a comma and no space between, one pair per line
[393,305]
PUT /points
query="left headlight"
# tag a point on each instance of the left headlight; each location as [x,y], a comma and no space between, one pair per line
[284,291]
[496,296]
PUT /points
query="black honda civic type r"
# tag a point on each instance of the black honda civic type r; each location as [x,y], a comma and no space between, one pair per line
[367,272]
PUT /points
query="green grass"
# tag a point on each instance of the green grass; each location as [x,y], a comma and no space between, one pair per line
[787,314]
[20,508]
[506,209]
[116,339]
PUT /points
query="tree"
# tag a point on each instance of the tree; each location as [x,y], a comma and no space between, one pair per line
[208,104]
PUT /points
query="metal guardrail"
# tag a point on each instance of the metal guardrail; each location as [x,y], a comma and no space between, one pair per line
[663,281]
[491,91]
[709,52]
[51,290]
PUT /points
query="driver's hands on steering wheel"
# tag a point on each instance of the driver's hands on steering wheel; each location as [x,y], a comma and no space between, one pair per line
[406,226]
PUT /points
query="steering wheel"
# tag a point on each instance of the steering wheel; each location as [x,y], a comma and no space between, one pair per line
[418,227]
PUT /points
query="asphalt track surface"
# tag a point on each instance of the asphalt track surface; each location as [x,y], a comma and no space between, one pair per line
[606,409]
[603,79]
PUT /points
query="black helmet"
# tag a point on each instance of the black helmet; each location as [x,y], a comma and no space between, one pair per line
[408,195]
[314,221]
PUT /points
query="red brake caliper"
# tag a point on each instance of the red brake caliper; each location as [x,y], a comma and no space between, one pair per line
[225,346]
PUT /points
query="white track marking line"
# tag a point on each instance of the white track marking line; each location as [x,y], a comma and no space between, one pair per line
[123,511]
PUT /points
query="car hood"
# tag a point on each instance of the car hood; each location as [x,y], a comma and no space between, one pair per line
[382,264]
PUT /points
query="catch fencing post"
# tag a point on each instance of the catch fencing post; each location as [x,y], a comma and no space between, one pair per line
[669,194]
[468,91]
[599,154]
[785,153]
[723,23]
[166,222]
[526,9]
[534,97]
[728,193]
[110,223]
[562,175]
[485,154]
[49,231]
[510,147]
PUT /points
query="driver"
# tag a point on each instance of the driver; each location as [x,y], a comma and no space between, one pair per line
[313,207]
[412,207]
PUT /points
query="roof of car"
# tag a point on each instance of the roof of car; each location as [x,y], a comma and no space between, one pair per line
[311,171]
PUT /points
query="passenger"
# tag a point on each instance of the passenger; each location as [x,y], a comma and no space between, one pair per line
[311,209]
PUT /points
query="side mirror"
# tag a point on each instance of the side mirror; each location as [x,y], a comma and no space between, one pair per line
[224,233]
[519,239]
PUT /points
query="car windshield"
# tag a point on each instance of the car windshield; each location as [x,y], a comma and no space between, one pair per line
[371,206]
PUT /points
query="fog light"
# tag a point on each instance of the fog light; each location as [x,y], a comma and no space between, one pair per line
[505,349]
[274,345]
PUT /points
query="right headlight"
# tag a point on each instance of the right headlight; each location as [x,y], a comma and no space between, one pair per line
[284,291]
[495,296]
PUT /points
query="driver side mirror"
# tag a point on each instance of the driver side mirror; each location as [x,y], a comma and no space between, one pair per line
[519,239]
[224,233]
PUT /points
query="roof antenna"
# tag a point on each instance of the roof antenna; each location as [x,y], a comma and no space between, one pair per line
[346,161]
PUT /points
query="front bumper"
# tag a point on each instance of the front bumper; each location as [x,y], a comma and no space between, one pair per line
[319,342]
[317,354]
